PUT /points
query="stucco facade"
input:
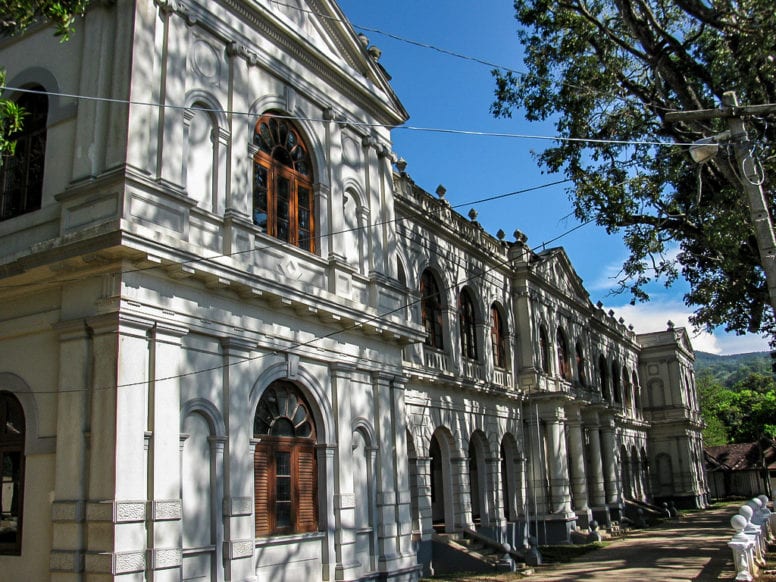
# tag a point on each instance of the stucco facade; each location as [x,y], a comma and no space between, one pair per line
[165,335]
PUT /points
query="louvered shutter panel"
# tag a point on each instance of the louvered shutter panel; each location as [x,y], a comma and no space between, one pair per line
[306,489]
[261,475]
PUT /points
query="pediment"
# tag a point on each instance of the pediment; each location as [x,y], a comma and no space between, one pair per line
[324,29]
[557,272]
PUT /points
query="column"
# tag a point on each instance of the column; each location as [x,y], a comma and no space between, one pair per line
[403,514]
[239,526]
[558,461]
[609,451]
[577,467]
[331,221]
[117,483]
[164,522]
[535,470]
[596,489]
[344,497]
[494,515]
[387,498]
[423,476]
[68,508]
[461,501]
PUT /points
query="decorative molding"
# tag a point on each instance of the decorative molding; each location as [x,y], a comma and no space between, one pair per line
[239,549]
[115,563]
[161,558]
[165,510]
[116,511]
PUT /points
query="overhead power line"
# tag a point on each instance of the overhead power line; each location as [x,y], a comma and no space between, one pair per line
[354,122]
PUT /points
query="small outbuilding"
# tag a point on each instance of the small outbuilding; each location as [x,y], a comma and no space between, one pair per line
[741,470]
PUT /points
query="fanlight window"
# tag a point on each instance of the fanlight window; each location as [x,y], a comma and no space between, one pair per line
[285,469]
[283,200]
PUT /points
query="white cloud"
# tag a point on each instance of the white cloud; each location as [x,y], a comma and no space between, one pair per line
[654,316]
[609,275]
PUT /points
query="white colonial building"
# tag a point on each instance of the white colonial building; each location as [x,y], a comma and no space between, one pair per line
[238,343]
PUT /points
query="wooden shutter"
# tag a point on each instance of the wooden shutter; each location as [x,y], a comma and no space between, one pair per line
[306,489]
[261,481]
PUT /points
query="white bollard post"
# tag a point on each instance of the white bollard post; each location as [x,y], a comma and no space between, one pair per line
[741,545]
[754,532]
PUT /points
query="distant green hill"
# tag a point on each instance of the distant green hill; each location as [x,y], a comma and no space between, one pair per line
[727,370]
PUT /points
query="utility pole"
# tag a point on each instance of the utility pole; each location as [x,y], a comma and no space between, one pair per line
[750,180]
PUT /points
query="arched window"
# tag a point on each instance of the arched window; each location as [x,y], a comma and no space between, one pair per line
[12,431]
[636,391]
[283,201]
[581,363]
[627,390]
[544,350]
[21,175]
[498,338]
[603,371]
[562,348]
[285,471]
[616,383]
[467,325]
[431,310]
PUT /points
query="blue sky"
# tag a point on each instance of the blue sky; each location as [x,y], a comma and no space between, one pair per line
[441,91]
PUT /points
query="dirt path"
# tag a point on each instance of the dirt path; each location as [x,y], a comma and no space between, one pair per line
[693,547]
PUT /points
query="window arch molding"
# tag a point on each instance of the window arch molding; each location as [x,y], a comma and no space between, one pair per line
[310,388]
[285,204]
[58,108]
[563,354]
[199,102]
[209,412]
[469,319]
[300,118]
[544,349]
[433,306]
[287,495]
[499,335]
[33,444]
[355,227]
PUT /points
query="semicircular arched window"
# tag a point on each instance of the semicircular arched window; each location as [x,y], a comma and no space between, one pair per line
[285,468]
[283,200]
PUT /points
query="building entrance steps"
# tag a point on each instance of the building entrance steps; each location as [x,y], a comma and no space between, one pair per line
[691,547]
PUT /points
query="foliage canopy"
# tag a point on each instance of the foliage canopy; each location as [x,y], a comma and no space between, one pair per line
[609,71]
[16,16]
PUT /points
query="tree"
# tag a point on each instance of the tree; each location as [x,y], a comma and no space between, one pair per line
[715,431]
[607,72]
[17,16]
[742,414]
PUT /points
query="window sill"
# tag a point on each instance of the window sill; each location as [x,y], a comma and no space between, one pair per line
[282,539]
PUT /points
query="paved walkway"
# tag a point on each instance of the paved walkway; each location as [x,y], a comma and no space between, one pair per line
[693,547]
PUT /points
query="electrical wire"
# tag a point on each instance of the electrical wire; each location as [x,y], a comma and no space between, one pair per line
[298,345]
[355,123]
[195,260]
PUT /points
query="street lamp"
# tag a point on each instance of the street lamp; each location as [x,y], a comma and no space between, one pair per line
[706,148]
